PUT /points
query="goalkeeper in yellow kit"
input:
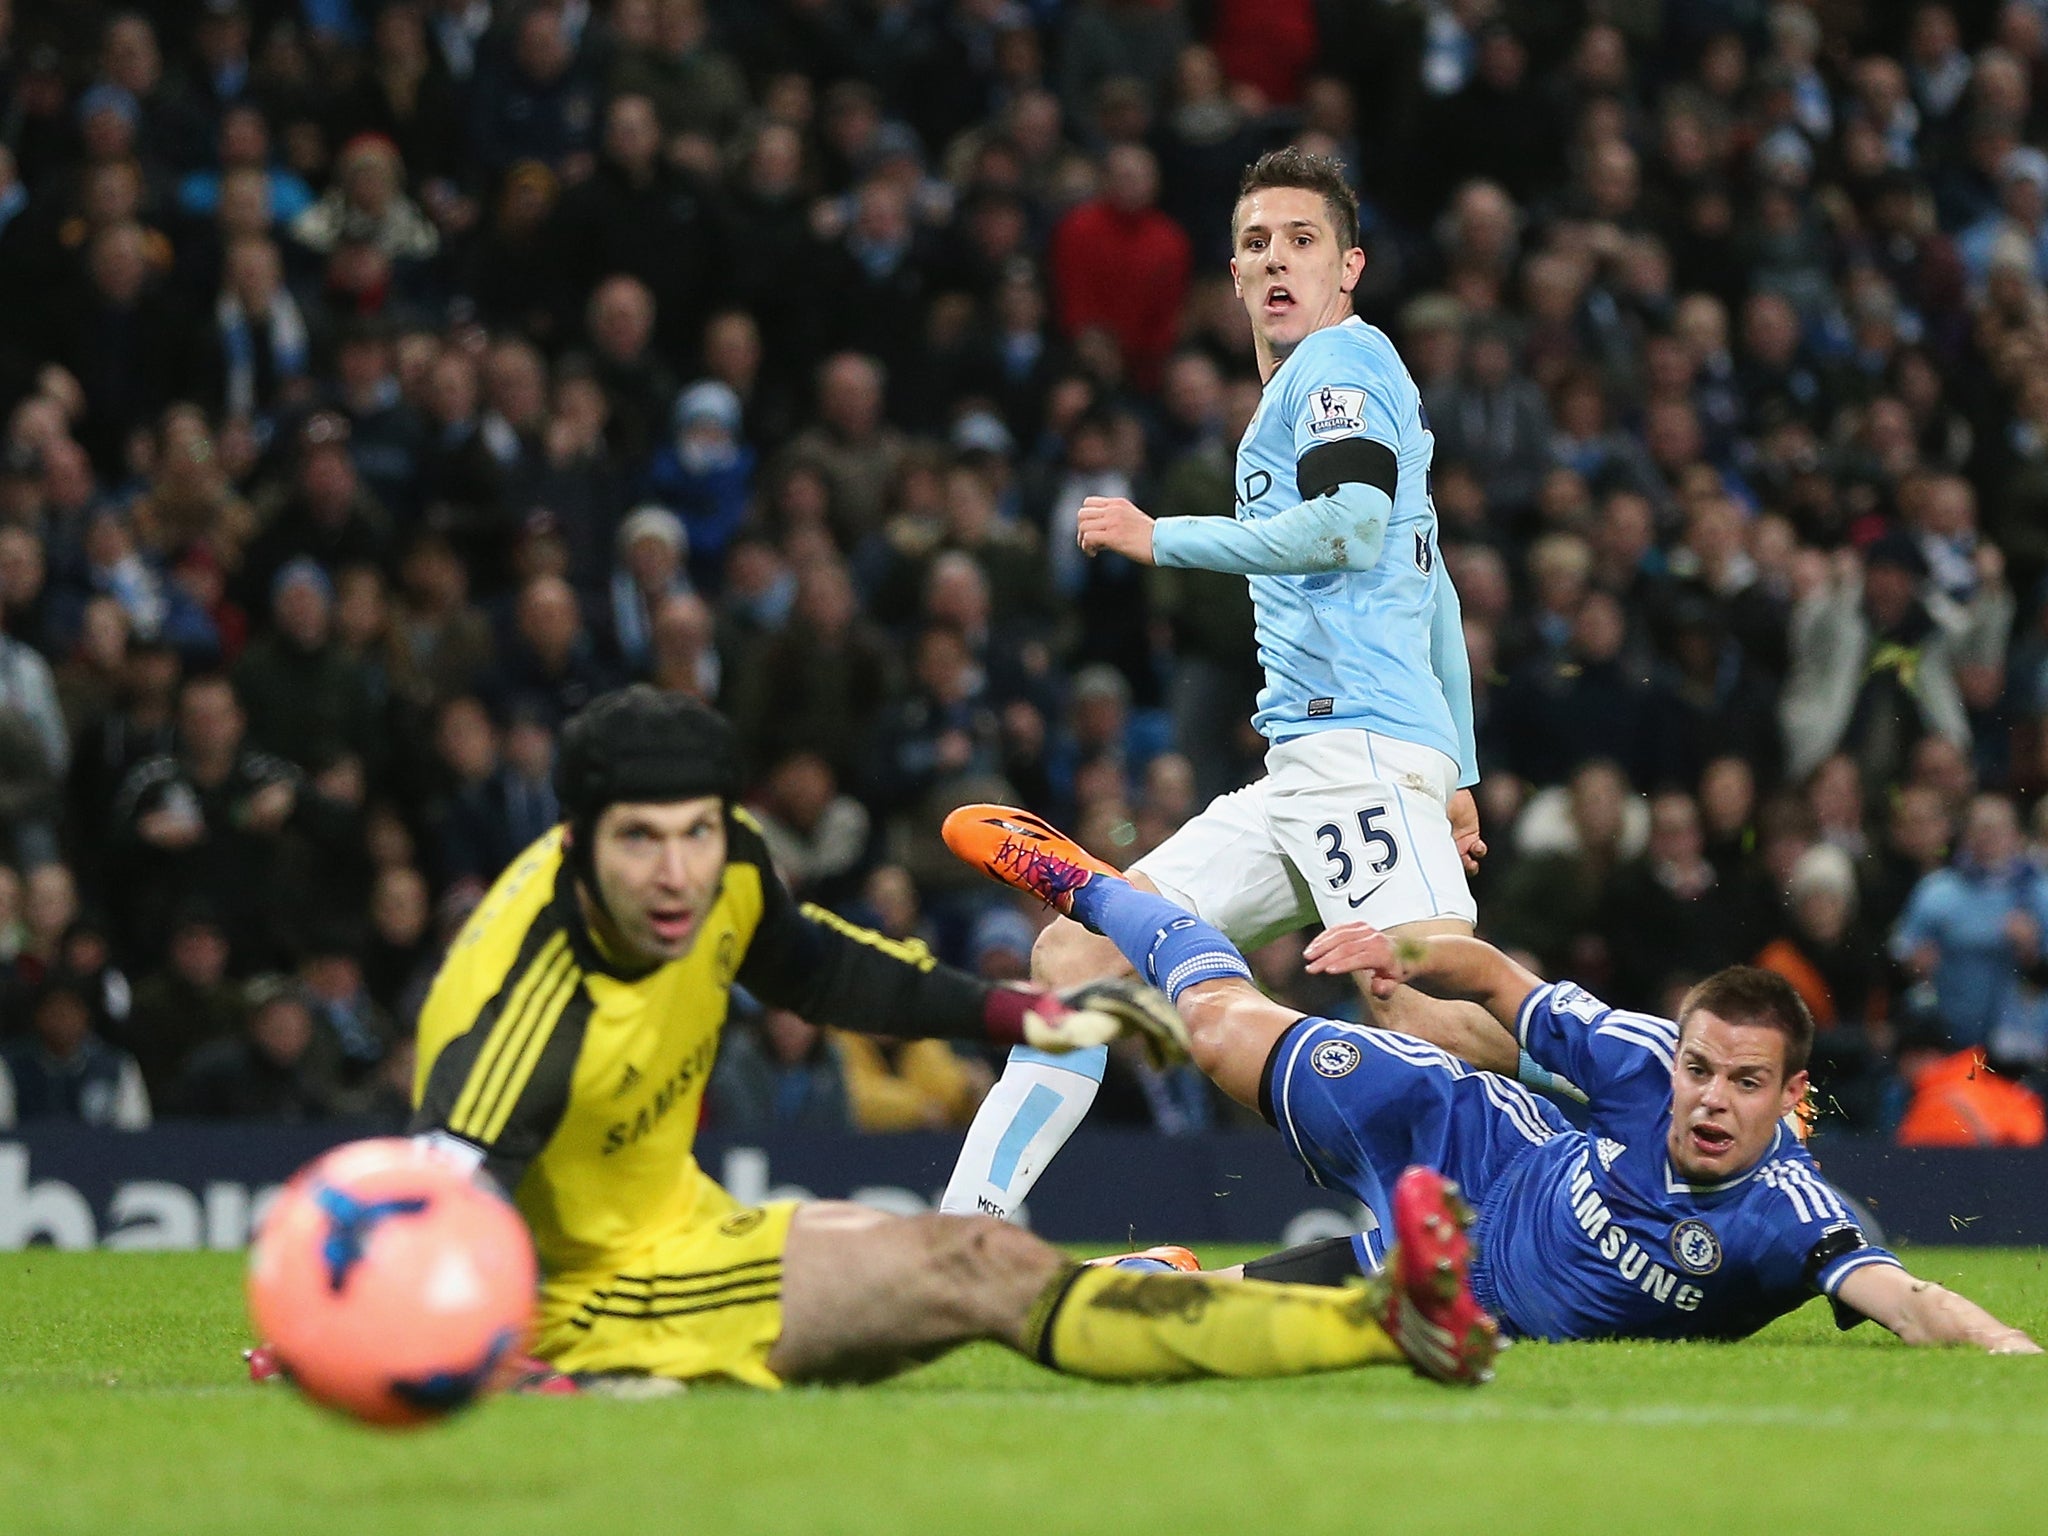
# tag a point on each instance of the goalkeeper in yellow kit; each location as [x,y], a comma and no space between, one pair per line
[565,1045]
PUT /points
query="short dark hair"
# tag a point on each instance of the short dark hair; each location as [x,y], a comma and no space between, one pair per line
[1744,994]
[1324,174]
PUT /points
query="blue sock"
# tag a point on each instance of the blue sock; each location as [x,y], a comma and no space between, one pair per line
[1167,945]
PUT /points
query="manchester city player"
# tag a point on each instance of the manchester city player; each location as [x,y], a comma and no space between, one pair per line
[1688,1210]
[1365,811]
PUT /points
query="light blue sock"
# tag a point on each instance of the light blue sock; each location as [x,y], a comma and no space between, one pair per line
[1532,1074]
[1167,945]
[1038,1103]
[1090,1061]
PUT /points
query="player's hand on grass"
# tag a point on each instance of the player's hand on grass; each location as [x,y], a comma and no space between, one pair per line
[1098,1012]
[2011,1341]
[1112,524]
[1465,829]
[1361,949]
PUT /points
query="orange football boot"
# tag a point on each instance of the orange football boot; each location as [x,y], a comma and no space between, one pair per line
[1023,851]
[1172,1255]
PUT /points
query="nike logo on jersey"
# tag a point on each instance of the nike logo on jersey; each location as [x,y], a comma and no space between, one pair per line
[1359,901]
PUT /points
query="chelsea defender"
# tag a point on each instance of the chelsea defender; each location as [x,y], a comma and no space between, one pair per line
[565,1045]
[1365,811]
[1688,1210]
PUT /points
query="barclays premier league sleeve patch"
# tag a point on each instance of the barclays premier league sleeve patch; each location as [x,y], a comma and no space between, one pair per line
[1333,412]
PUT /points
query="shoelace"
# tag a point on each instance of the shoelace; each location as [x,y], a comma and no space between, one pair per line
[1048,875]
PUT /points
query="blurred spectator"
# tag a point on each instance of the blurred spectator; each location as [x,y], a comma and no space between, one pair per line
[261,353]
[706,474]
[331,981]
[853,445]
[122,340]
[1872,668]
[1826,954]
[819,684]
[777,1072]
[307,700]
[1959,1101]
[999,948]
[1495,421]
[652,551]
[668,56]
[536,101]
[326,515]
[549,667]
[275,1070]
[34,749]
[367,215]
[1556,712]
[1669,913]
[443,643]
[401,944]
[186,1004]
[638,385]
[1550,895]
[1120,265]
[908,1085]
[65,1070]
[406,94]
[642,215]
[203,821]
[817,836]
[1975,929]
[501,795]
[49,906]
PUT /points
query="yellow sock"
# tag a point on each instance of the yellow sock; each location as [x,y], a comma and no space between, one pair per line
[1113,1325]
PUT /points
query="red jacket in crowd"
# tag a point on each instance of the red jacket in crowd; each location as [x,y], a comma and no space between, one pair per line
[1124,272]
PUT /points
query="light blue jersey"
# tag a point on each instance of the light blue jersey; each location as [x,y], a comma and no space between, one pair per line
[1368,638]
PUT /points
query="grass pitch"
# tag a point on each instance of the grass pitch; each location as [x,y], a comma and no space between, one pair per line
[124,1408]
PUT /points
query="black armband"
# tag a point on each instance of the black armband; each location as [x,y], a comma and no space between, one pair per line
[1348,461]
[1832,1245]
[1333,1261]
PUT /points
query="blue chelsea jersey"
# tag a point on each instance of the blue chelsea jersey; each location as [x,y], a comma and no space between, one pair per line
[1592,1234]
[1347,649]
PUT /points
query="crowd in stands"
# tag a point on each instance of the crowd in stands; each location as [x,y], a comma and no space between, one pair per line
[381,380]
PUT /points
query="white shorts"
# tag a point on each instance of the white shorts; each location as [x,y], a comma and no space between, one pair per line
[1345,826]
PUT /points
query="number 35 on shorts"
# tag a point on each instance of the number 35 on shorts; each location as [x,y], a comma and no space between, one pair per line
[1377,848]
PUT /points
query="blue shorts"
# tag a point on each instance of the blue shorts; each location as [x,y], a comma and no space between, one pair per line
[1357,1105]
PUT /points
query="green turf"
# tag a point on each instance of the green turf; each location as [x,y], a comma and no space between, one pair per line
[123,1409]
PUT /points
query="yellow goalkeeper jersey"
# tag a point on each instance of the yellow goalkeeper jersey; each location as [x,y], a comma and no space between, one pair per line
[581,1085]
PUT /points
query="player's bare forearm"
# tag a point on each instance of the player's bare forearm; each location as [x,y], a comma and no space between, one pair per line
[1923,1313]
[1443,965]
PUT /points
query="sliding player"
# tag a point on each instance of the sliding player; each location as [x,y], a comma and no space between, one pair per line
[1687,1211]
[1365,811]
[566,1042]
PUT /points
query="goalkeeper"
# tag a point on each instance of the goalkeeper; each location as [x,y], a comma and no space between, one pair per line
[564,1048]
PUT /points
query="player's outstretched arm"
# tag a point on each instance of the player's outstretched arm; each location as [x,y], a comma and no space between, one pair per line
[1444,965]
[1921,1312]
[1340,529]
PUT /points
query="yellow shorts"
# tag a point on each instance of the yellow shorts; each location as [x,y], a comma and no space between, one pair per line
[702,1302]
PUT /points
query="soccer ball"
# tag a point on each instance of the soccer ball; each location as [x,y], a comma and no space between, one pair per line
[391,1284]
